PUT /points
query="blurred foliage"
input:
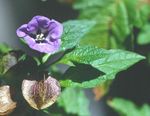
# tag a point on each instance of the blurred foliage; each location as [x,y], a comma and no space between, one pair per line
[8,58]
[101,90]
[115,20]
[128,108]
[6,62]
[4,48]
[74,101]
[144,36]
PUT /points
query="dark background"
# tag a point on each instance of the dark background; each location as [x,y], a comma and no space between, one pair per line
[132,84]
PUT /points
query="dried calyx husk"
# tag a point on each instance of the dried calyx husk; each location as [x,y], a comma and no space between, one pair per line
[7,61]
[41,94]
[6,103]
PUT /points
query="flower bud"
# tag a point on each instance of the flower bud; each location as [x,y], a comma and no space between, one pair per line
[42,94]
[6,103]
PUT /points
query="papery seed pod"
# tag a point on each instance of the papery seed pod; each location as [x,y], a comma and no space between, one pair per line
[42,94]
[6,103]
[7,61]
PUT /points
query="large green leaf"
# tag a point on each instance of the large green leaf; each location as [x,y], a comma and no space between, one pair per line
[128,108]
[108,61]
[74,31]
[74,101]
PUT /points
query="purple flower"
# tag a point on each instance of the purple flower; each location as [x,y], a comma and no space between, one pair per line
[42,34]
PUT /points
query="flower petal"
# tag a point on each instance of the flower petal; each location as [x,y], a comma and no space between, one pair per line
[50,47]
[56,29]
[43,21]
[22,31]
[32,26]
[29,40]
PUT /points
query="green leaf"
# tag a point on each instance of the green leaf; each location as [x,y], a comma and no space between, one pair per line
[138,12]
[88,84]
[108,61]
[98,36]
[108,24]
[145,110]
[83,4]
[144,36]
[120,25]
[74,31]
[128,108]
[133,12]
[74,101]
[4,48]
[45,57]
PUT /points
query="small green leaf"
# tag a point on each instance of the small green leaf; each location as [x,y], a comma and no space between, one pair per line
[74,101]
[37,61]
[22,57]
[4,48]
[144,36]
[74,31]
[49,113]
[128,108]
[45,57]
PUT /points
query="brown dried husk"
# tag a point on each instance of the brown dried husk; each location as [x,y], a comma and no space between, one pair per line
[6,103]
[41,95]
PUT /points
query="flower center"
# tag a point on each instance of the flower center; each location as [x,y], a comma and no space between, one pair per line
[40,37]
